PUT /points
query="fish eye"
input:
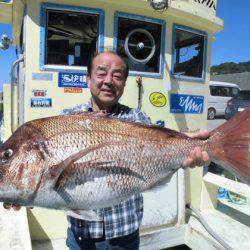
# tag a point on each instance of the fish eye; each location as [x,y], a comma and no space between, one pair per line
[7,153]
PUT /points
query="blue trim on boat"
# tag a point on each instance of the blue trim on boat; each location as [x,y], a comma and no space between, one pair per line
[163,37]
[44,8]
[188,78]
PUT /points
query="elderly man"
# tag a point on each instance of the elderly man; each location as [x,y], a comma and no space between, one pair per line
[119,227]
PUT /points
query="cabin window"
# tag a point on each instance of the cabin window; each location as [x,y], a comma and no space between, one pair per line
[189,47]
[71,36]
[140,41]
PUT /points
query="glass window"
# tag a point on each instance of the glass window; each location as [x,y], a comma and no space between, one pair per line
[235,91]
[70,35]
[71,38]
[244,95]
[214,90]
[188,53]
[139,42]
[223,91]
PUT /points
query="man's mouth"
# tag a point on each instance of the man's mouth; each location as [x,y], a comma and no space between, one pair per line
[107,91]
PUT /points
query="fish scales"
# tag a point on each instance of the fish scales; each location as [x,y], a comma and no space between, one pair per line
[89,161]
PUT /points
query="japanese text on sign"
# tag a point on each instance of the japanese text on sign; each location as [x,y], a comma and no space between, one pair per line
[72,80]
[40,102]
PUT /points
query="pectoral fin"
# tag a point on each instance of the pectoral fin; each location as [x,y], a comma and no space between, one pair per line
[56,170]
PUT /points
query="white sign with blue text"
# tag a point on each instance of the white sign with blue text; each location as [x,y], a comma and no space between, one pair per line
[72,80]
[191,104]
[41,102]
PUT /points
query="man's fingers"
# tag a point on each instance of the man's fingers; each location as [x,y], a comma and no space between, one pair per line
[197,157]
[187,163]
[204,134]
[16,207]
[7,206]
[206,158]
[198,154]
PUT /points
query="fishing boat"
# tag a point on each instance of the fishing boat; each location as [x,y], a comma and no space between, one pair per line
[167,44]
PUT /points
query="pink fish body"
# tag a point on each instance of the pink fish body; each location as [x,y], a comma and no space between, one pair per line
[90,161]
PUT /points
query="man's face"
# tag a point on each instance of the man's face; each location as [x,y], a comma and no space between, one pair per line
[107,80]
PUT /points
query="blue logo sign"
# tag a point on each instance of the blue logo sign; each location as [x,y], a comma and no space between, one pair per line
[72,80]
[191,104]
[40,102]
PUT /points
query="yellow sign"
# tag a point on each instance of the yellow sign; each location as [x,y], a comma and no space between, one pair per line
[72,90]
[157,99]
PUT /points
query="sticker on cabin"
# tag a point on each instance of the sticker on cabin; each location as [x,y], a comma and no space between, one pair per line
[42,76]
[186,104]
[39,93]
[72,80]
[72,90]
[157,99]
[160,123]
[41,102]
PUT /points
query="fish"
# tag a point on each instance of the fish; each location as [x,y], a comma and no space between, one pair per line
[87,161]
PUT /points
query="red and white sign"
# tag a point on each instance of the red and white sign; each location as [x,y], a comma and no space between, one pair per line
[39,93]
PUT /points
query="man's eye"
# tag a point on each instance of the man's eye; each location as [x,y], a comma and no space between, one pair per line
[100,75]
[118,77]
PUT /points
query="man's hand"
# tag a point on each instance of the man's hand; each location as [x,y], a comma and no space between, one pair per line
[9,206]
[197,157]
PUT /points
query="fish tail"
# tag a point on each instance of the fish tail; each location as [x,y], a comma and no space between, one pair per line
[231,145]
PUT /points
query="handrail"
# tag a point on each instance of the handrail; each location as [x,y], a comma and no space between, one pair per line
[231,185]
[15,63]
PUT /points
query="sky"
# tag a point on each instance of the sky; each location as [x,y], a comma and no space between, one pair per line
[232,44]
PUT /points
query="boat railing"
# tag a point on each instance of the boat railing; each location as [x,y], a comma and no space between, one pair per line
[211,183]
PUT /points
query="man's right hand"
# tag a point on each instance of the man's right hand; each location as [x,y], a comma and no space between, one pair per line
[8,206]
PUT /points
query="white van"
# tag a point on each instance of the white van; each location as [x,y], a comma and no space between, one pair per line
[220,93]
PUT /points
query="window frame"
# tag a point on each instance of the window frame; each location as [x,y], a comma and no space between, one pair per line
[163,39]
[59,7]
[195,31]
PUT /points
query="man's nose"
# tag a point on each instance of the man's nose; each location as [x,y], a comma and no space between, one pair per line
[108,79]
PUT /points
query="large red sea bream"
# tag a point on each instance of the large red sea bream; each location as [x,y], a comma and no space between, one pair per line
[89,161]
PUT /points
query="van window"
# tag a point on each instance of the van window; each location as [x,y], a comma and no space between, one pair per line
[235,91]
[223,91]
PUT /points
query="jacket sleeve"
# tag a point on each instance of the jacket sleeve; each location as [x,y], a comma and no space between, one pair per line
[141,117]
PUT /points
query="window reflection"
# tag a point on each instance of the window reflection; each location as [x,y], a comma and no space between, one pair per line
[189,48]
[71,38]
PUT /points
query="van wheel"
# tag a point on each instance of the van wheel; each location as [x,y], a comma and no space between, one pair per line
[211,114]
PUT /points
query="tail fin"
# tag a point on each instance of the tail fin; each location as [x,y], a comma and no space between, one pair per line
[231,147]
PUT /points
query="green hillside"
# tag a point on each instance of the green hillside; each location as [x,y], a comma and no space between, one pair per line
[230,67]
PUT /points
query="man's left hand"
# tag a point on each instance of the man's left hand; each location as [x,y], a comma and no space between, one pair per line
[197,157]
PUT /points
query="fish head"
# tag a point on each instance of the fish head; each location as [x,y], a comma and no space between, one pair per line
[21,164]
